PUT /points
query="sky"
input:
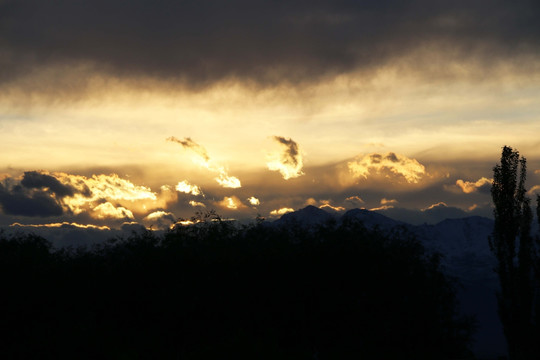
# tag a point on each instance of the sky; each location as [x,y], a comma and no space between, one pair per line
[115,112]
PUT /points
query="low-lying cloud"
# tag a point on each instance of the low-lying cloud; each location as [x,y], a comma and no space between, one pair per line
[44,194]
[482,185]
[281,211]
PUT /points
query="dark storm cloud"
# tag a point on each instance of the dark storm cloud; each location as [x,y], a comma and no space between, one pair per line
[36,194]
[18,201]
[36,180]
[290,155]
[199,43]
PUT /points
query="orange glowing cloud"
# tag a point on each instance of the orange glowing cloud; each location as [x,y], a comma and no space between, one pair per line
[469,187]
[281,211]
[231,203]
[109,211]
[196,203]
[289,162]
[62,224]
[112,189]
[202,159]
[186,187]
[389,165]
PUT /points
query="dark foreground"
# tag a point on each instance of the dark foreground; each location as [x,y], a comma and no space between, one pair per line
[216,291]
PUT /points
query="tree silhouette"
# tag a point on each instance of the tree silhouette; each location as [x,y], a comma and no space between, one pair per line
[513,247]
[215,290]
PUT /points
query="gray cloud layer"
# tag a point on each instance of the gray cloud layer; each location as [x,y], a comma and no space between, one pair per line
[199,43]
[36,195]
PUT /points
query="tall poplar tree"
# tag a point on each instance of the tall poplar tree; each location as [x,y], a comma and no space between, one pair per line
[513,246]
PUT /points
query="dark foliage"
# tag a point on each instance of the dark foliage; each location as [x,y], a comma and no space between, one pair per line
[515,250]
[213,290]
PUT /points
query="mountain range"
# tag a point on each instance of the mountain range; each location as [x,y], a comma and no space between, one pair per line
[466,256]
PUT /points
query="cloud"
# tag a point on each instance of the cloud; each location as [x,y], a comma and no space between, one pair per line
[110,187]
[254,201]
[17,202]
[281,211]
[160,219]
[109,211]
[204,160]
[311,201]
[227,181]
[36,194]
[355,200]
[390,166]
[231,203]
[256,41]
[439,205]
[385,201]
[64,225]
[196,203]
[290,162]
[36,180]
[534,190]
[383,207]
[44,194]
[482,185]
[192,145]
[326,205]
[186,187]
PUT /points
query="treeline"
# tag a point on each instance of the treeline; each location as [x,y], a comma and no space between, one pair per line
[214,290]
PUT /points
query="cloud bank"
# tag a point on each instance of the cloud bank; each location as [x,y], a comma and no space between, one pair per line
[258,41]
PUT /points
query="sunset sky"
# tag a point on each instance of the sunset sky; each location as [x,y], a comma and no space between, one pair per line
[141,111]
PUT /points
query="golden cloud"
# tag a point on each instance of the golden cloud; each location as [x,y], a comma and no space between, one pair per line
[62,224]
[254,201]
[289,162]
[433,206]
[384,207]
[281,211]
[469,187]
[161,219]
[388,165]
[102,187]
[159,215]
[196,203]
[227,181]
[331,207]
[231,202]
[186,187]
[109,211]
[202,159]
[355,200]
[385,201]
[534,189]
